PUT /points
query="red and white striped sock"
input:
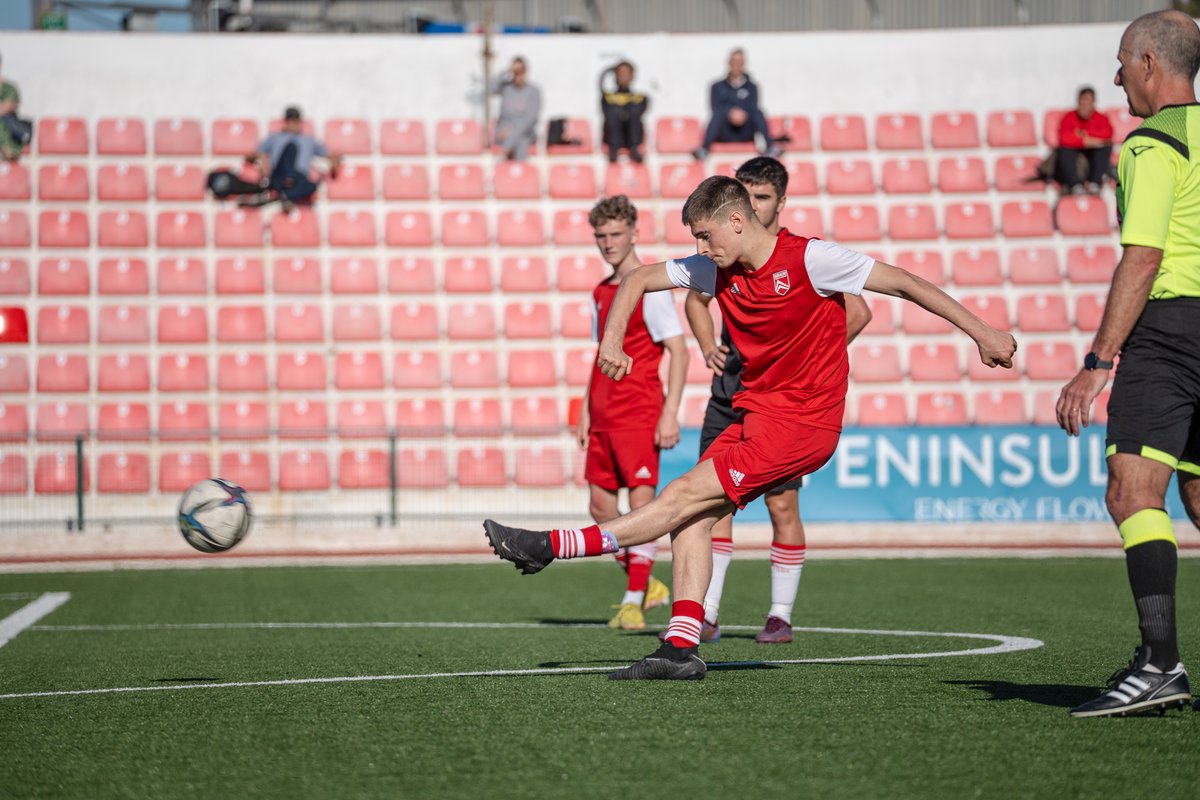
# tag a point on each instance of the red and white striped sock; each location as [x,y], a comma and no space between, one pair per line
[684,628]
[589,541]
[622,557]
[722,554]
[787,561]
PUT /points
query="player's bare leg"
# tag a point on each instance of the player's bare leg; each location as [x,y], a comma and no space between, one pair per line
[787,561]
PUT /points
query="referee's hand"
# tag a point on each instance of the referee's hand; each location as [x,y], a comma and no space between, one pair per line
[1075,400]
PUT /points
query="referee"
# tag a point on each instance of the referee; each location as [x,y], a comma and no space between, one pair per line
[1152,318]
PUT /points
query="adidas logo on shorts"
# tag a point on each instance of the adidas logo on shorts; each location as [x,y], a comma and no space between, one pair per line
[643,472]
[737,477]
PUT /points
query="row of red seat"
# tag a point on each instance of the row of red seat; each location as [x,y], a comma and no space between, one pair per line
[681,134]
[943,363]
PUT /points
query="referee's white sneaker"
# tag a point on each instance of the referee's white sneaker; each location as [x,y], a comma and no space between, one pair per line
[1138,689]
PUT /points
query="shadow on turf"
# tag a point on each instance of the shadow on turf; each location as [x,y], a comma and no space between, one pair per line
[1045,694]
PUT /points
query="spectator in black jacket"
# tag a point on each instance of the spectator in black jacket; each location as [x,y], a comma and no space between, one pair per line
[623,110]
[736,116]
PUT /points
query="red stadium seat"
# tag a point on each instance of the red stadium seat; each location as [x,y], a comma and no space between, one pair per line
[961,175]
[417,370]
[234,137]
[250,470]
[680,179]
[883,317]
[402,137]
[14,423]
[954,130]
[181,276]
[1018,174]
[941,408]
[969,221]
[535,416]
[1043,313]
[121,137]
[415,322]
[178,471]
[405,182]
[471,321]
[527,321]
[353,275]
[576,320]
[481,467]
[1082,215]
[409,229]
[531,368]
[296,275]
[1100,407]
[297,228]
[1122,121]
[182,182]
[242,420]
[361,419]
[579,273]
[906,176]
[875,363]
[358,371]
[478,418]
[911,222]
[976,267]
[182,324]
[357,322]
[303,419]
[520,228]
[679,234]
[299,371]
[15,183]
[572,227]
[461,182]
[578,366]
[348,137]
[524,274]
[855,223]
[916,320]
[992,309]
[58,229]
[241,324]
[422,468]
[572,182]
[186,229]
[362,468]
[181,421]
[1034,265]
[420,417]
[540,465]
[123,422]
[978,372]
[843,132]
[63,276]
[56,473]
[899,132]
[578,131]
[62,182]
[351,229]
[849,177]
[14,228]
[631,180]
[63,325]
[1089,308]
[1011,129]
[411,275]
[677,134]
[125,229]
[57,421]
[352,182]
[792,132]
[516,180]
[802,178]
[459,137]
[123,324]
[474,369]
[1000,408]
[242,372]
[1027,218]
[181,372]
[14,276]
[800,220]
[240,276]
[1051,361]
[178,137]
[886,408]
[1091,263]
[467,275]
[61,136]
[123,372]
[63,373]
[934,362]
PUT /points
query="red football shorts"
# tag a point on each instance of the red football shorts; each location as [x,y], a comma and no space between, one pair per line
[757,453]
[621,459]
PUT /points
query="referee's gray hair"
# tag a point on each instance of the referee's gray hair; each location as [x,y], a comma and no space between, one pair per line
[1172,36]
[714,194]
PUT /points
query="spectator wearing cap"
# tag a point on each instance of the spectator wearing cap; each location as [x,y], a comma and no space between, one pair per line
[286,156]
[520,107]
[1085,136]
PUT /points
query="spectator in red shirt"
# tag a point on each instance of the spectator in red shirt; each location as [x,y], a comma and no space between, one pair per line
[1088,133]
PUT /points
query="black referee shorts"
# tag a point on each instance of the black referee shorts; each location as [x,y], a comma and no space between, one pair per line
[719,416]
[1154,410]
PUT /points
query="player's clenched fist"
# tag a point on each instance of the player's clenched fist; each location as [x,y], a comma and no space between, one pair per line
[612,361]
[996,348]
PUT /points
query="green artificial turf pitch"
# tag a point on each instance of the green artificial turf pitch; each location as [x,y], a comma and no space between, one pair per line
[977,725]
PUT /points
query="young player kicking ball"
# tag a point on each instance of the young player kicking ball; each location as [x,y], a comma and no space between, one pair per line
[781,298]
[766,181]
[623,425]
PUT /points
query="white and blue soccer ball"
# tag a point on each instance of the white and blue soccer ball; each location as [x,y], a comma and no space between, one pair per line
[214,515]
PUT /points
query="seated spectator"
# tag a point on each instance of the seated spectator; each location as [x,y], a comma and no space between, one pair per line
[520,107]
[623,110]
[15,132]
[736,116]
[285,158]
[1084,137]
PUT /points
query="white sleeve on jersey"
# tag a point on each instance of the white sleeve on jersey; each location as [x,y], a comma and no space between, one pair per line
[833,268]
[660,316]
[694,272]
[595,321]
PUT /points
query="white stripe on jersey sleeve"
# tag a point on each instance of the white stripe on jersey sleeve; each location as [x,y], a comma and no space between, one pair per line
[833,268]
[694,272]
[595,321]
[662,320]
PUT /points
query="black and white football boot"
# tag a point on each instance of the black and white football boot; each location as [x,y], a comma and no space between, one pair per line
[529,551]
[1139,690]
[667,663]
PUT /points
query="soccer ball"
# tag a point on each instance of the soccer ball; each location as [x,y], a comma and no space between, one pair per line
[214,515]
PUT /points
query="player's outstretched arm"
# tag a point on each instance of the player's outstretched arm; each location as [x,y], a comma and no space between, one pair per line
[701,323]
[996,348]
[648,278]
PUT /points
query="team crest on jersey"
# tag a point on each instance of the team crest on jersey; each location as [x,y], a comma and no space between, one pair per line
[782,282]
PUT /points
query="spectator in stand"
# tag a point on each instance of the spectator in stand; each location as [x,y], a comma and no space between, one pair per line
[14,132]
[623,110]
[520,107]
[736,116]
[1083,133]
[286,159]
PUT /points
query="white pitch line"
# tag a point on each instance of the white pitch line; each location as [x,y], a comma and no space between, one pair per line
[30,613]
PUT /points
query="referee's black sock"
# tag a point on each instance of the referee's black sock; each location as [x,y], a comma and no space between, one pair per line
[1152,567]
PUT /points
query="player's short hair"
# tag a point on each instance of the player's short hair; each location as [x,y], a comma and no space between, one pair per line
[764,170]
[1085,90]
[1173,36]
[620,64]
[714,194]
[612,208]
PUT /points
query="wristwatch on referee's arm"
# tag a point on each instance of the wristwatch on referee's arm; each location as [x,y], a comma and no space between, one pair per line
[1092,361]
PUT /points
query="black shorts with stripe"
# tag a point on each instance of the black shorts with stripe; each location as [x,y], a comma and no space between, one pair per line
[717,417]
[1154,410]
